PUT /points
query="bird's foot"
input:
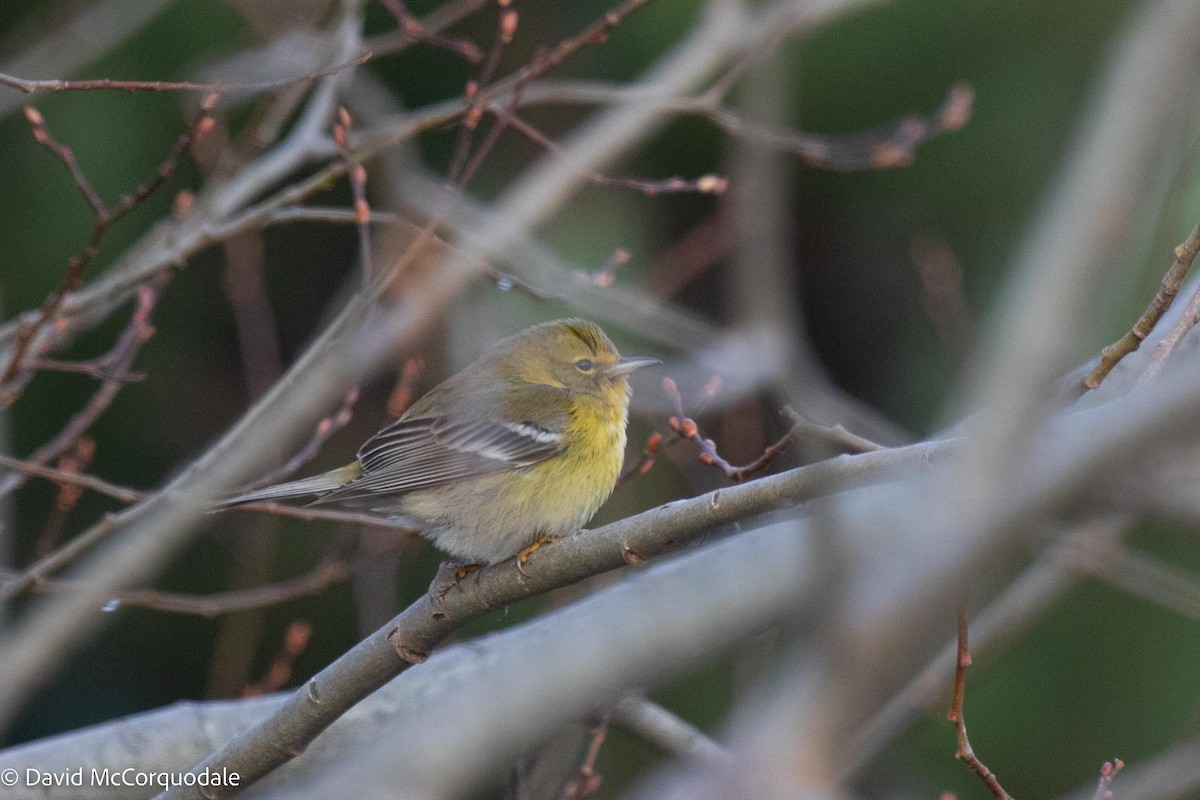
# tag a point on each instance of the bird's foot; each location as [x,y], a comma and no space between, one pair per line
[523,556]
[450,574]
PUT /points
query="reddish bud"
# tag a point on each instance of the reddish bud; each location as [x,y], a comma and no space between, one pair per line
[412,28]
[182,205]
[711,184]
[669,386]
[297,636]
[205,126]
[34,116]
[508,26]
[688,428]
[654,443]
[210,102]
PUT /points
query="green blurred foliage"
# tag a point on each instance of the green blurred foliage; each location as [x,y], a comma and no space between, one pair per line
[1102,676]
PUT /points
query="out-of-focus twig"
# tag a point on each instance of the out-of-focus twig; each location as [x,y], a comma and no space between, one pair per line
[69,494]
[100,84]
[667,731]
[405,391]
[1108,771]
[941,279]
[210,606]
[295,639]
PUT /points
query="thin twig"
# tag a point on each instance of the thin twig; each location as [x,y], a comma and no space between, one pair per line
[128,495]
[955,715]
[891,146]
[941,279]
[244,286]
[118,362]
[1141,575]
[325,428]
[461,170]
[405,391]
[412,29]
[1185,254]
[596,33]
[215,605]
[501,123]
[31,86]
[99,368]
[68,497]
[687,428]
[705,184]
[476,99]
[106,217]
[837,434]
[65,478]
[295,639]
[358,187]
[607,274]
[1108,771]
[588,781]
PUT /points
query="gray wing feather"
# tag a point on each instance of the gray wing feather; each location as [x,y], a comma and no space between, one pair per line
[423,452]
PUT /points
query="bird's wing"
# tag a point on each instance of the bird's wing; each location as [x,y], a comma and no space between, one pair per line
[426,451]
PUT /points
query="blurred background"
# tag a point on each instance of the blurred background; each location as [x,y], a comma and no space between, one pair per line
[892,274]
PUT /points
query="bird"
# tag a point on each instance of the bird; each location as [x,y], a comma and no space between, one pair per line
[520,448]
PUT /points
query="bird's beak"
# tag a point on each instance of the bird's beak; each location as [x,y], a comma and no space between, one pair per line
[629,364]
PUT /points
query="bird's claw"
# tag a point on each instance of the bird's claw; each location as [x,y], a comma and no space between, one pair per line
[523,556]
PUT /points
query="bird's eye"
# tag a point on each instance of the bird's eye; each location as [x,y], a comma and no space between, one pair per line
[584,365]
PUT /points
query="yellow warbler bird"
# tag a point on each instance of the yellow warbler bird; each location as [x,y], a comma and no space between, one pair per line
[522,446]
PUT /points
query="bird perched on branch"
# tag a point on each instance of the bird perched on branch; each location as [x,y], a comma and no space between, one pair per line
[521,447]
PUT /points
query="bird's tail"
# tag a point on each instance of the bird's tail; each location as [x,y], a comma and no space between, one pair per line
[317,484]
